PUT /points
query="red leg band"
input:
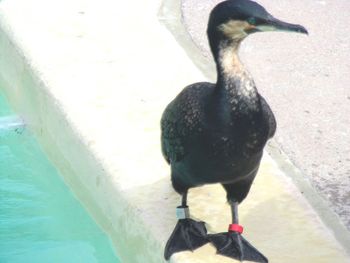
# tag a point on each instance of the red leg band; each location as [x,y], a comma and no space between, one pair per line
[235,228]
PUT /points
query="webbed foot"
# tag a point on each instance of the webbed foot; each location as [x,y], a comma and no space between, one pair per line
[187,235]
[234,245]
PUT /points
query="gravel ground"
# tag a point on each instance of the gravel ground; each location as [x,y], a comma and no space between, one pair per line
[306,81]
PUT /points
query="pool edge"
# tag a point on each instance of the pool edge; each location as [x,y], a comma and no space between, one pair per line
[29,95]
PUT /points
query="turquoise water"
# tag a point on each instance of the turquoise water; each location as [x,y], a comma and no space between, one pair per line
[40,219]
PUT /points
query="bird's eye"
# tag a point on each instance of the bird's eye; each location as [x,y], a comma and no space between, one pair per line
[252,20]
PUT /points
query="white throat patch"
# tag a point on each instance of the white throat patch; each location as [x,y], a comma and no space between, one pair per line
[234,73]
[235,29]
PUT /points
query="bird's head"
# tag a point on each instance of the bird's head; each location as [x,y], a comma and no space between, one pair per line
[233,20]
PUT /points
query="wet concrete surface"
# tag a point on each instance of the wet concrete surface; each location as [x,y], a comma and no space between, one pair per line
[306,81]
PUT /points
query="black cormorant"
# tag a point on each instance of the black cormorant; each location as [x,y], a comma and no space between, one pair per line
[216,133]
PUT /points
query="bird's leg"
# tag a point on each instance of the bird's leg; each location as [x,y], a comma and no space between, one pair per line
[184,199]
[182,211]
[234,212]
[236,228]
[188,233]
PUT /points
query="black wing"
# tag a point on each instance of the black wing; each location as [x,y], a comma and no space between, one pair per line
[182,121]
[268,114]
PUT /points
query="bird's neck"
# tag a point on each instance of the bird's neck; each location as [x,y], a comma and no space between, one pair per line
[233,80]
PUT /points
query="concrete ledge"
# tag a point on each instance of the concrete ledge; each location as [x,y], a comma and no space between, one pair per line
[91,80]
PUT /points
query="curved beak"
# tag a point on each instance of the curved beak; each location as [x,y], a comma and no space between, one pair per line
[273,24]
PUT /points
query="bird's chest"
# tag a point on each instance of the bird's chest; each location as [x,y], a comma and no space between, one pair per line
[238,136]
[237,127]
